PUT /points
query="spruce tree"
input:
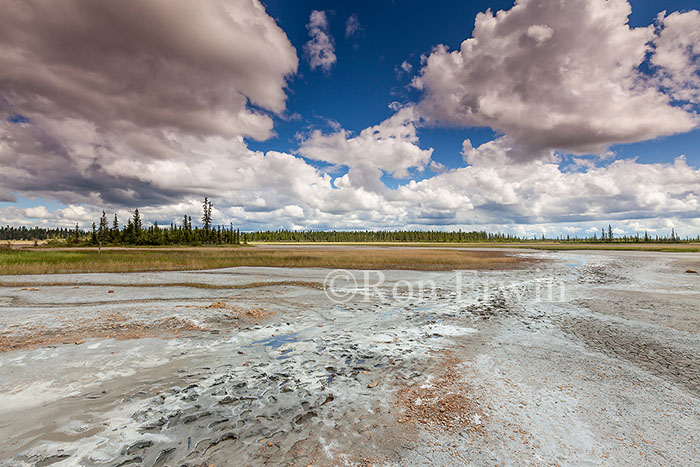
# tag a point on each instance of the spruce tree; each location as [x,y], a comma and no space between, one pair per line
[610,233]
[115,229]
[206,217]
[104,228]
[137,222]
[129,232]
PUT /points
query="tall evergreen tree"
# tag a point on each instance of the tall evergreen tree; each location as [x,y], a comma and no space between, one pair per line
[137,222]
[104,228]
[115,229]
[206,218]
[610,233]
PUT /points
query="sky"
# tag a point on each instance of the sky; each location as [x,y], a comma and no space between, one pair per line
[529,117]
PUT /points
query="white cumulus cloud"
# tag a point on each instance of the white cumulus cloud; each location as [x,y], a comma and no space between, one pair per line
[391,147]
[677,54]
[559,75]
[113,91]
[319,50]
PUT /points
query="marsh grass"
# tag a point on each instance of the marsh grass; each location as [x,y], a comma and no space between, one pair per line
[74,260]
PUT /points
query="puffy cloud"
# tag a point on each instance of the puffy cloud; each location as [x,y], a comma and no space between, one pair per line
[677,54]
[125,104]
[319,50]
[75,214]
[404,68]
[391,147]
[352,26]
[36,212]
[41,216]
[160,64]
[559,75]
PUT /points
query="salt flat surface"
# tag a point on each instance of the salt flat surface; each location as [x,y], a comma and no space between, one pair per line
[584,358]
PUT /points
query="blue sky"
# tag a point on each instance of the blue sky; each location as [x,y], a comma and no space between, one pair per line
[277,141]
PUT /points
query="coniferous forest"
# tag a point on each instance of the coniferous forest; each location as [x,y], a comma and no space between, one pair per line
[113,231]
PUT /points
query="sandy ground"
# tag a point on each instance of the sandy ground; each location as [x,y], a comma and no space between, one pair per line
[487,369]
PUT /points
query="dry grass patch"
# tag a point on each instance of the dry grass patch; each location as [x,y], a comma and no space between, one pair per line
[76,260]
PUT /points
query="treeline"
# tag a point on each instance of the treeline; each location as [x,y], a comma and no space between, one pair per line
[436,236]
[133,233]
[34,233]
[400,236]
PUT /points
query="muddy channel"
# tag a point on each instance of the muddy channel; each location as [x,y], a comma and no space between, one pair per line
[581,358]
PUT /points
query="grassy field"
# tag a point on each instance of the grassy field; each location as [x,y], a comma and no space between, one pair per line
[50,261]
